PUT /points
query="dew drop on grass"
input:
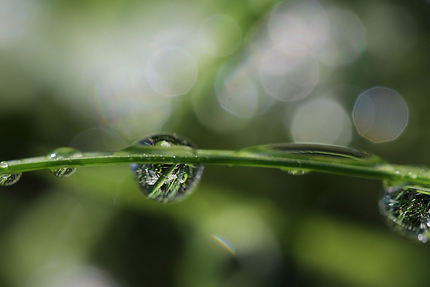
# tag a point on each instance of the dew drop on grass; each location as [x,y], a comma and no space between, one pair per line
[407,209]
[62,153]
[9,179]
[295,171]
[166,182]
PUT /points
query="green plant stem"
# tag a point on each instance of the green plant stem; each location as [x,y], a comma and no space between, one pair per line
[306,159]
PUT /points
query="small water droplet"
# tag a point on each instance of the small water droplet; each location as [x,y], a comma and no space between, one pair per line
[4,164]
[422,238]
[62,153]
[407,209]
[412,175]
[166,182]
[164,143]
[9,179]
[295,171]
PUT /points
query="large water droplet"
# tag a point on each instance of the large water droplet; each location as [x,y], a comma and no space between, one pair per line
[4,164]
[166,182]
[9,179]
[62,153]
[407,209]
[310,151]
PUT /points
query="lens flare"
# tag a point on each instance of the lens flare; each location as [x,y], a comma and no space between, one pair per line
[224,244]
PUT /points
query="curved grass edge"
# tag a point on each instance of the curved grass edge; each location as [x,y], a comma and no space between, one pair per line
[309,157]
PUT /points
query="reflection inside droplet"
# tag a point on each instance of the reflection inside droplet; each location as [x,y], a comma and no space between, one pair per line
[63,153]
[406,208]
[166,182]
[9,179]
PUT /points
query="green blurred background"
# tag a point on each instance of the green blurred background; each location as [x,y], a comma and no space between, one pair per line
[99,75]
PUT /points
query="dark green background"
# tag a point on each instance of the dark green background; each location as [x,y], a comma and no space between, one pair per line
[312,230]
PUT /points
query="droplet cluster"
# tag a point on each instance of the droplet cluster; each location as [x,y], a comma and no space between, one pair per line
[62,153]
[8,178]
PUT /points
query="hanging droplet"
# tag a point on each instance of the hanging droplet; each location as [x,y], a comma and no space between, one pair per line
[9,179]
[62,153]
[407,209]
[166,182]
[4,164]
[295,171]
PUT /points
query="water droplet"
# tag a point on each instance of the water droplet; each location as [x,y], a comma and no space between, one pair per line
[9,179]
[4,164]
[295,171]
[166,182]
[407,209]
[62,153]
[311,151]
[412,175]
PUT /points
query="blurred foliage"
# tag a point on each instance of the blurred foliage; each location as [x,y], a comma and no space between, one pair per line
[96,228]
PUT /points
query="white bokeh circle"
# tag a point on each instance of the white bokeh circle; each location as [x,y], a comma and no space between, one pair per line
[380,114]
[171,71]
[321,121]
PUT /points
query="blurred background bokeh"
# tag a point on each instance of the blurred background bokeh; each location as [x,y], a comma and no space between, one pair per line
[99,75]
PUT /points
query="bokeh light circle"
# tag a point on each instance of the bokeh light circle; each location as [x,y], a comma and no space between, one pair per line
[219,35]
[380,114]
[321,121]
[238,90]
[126,104]
[17,18]
[288,73]
[237,93]
[302,22]
[171,71]
[347,38]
